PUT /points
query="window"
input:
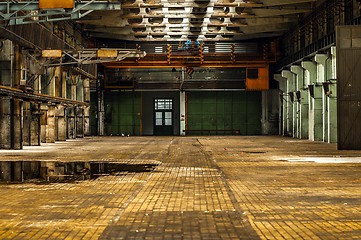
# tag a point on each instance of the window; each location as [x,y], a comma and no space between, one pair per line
[252,73]
[163,104]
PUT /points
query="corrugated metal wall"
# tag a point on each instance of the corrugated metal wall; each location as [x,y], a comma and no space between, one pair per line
[122,112]
[349,87]
[224,113]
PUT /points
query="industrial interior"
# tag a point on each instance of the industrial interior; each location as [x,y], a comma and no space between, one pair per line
[180,119]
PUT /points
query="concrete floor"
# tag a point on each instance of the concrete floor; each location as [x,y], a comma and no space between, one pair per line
[201,188]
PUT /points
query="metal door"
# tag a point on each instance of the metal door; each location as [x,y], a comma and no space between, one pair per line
[163,117]
[349,87]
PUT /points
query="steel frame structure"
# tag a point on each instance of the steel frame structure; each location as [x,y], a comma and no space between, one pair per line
[14,12]
[17,93]
[90,56]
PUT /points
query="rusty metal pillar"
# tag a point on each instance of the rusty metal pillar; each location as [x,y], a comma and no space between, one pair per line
[71,122]
[50,128]
[60,125]
[35,125]
[79,122]
[5,122]
[17,124]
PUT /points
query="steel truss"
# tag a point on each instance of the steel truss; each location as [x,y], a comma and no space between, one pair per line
[90,56]
[29,96]
[14,12]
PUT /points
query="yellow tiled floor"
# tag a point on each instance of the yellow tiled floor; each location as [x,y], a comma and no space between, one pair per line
[203,188]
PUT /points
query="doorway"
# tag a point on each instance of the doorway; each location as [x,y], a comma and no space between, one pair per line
[163,116]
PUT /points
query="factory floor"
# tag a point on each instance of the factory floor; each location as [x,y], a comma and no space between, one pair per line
[234,187]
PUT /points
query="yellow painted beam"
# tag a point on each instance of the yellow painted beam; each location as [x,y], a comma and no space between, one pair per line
[53,4]
[107,53]
[51,53]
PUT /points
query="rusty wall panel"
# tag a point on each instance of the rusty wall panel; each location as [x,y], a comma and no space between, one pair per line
[261,82]
[349,87]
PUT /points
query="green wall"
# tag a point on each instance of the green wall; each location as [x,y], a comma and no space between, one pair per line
[224,113]
[121,115]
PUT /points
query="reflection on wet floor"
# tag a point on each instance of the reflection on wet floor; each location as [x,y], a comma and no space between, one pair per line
[181,188]
[53,171]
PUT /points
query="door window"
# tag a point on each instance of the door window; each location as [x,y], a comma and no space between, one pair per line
[168,118]
[159,118]
[163,104]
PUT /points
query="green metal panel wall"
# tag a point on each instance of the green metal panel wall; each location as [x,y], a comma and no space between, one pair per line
[121,113]
[224,113]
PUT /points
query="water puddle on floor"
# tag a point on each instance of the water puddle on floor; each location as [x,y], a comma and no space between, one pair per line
[52,171]
[321,159]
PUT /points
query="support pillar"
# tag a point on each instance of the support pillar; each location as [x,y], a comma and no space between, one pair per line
[71,122]
[5,171]
[304,113]
[58,85]
[315,105]
[73,87]
[37,84]
[27,124]
[79,122]
[18,171]
[101,113]
[87,108]
[332,99]
[332,112]
[71,110]
[6,63]
[301,100]
[51,88]
[282,103]
[5,124]
[35,124]
[321,60]
[317,113]
[64,77]
[17,125]
[87,121]
[290,113]
[43,122]
[50,128]
[182,113]
[60,123]
[79,89]
[11,123]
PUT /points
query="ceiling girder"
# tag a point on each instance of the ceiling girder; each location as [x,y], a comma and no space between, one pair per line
[172,20]
[205,20]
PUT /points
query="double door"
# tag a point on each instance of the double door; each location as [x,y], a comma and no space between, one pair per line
[163,116]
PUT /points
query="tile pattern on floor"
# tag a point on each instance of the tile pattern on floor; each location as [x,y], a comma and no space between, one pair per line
[203,188]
